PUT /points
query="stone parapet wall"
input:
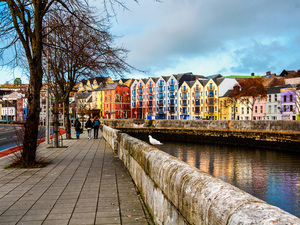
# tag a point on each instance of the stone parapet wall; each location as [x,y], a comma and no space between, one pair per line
[262,125]
[177,193]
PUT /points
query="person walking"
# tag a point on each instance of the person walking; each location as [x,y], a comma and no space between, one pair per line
[77,126]
[89,126]
[96,125]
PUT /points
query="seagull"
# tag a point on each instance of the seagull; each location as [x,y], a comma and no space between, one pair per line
[154,141]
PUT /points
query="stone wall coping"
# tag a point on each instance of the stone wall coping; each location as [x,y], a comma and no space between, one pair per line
[197,196]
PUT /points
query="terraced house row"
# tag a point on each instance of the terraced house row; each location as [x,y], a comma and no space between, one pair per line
[188,97]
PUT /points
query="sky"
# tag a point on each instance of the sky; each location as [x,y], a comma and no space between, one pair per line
[206,37]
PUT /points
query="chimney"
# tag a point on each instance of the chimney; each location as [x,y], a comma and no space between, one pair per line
[268,73]
[252,74]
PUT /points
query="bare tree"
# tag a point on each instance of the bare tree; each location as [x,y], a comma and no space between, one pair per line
[81,49]
[22,25]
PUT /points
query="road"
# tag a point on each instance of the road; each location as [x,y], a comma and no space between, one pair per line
[11,135]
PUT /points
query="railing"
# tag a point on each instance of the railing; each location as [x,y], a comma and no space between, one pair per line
[197,96]
[184,97]
[184,91]
[172,96]
[197,89]
[211,88]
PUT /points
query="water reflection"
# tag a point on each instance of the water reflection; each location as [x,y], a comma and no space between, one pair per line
[272,176]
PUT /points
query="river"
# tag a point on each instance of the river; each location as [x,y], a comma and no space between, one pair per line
[272,176]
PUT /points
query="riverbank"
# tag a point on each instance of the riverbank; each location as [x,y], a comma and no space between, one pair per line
[288,141]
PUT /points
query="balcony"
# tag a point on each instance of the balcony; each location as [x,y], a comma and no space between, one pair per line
[184,91]
[197,103]
[160,111]
[160,90]
[197,89]
[150,104]
[197,96]
[211,88]
[160,97]
[197,110]
[160,104]
[171,89]
[172,96]
[184,104]
[140,104]
[184,97]
[150,91]
[161,84]
[172,104]
[172,110]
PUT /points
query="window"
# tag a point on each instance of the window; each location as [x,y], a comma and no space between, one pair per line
[242,110]
[255,109]
[291,98]
[215,92]
[261,109]
[236,109]
[284,98]
[210,86]
[221,103]
[216,109]
[225,103]
[269,98]
[197,87]
[275,97]
[275,108]
[269,110]
[291,108]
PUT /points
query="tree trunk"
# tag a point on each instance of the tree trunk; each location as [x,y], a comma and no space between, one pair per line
[33,111]
[67,118]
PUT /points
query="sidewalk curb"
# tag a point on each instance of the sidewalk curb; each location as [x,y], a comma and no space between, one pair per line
[20,147]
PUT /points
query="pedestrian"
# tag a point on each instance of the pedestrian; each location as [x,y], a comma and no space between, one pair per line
[96,126]
[89,126]
[77,126]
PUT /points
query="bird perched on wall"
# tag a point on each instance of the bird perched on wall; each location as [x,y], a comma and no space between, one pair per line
[154,141]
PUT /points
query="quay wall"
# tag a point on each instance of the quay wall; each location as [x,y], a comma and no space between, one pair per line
[243,125]
[177,193]
[273,135]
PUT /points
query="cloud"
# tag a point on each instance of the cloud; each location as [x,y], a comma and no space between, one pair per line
[174,33]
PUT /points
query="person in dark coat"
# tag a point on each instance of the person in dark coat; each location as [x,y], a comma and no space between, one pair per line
[77,126]
[89,126]
[96,125]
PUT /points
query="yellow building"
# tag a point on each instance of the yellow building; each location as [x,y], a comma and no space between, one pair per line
[93,83]
[210,99]
[224,108]
[197,100]
[100,101]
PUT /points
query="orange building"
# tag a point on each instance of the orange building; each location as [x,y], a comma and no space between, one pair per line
[116,101]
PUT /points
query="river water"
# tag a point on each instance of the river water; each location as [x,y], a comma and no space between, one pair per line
[273,176]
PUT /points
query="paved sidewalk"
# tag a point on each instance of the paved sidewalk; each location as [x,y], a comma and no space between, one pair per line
[82,184]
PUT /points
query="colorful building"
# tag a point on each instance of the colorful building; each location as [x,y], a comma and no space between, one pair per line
[288,103]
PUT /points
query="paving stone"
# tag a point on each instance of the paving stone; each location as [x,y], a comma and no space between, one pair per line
[82,184]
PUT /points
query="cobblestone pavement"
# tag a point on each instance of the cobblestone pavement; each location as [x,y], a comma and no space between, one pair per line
[82,184]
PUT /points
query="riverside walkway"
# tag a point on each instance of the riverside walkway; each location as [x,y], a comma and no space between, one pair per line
[82,184]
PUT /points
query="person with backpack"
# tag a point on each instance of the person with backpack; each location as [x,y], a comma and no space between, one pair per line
[77,126]
[89,126]
[96,125]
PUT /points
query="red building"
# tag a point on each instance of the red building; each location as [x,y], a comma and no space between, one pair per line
[122,102]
